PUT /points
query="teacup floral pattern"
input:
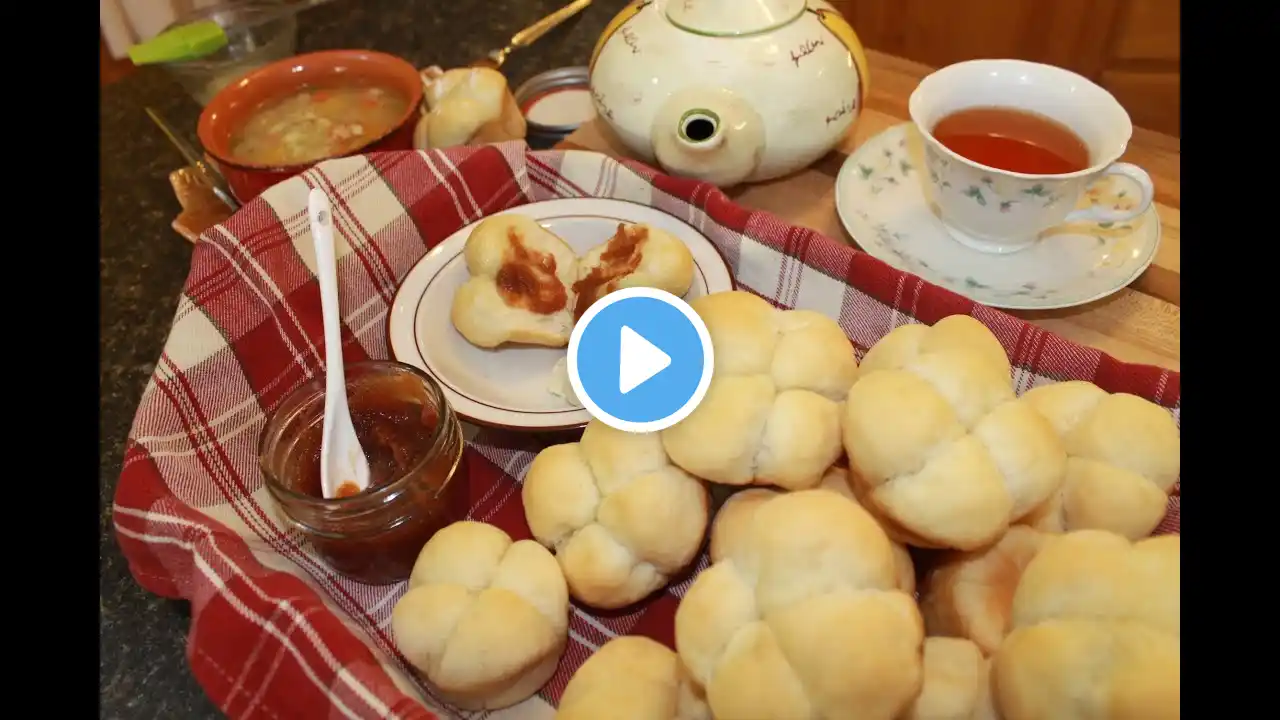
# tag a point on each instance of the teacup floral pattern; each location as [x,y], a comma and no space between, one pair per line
[1110,193]
[885,197]
[999,194]
[987,204]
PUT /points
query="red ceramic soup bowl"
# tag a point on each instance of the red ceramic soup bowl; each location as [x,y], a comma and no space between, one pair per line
[228,111]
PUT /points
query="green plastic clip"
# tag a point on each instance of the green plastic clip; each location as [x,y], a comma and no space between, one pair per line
[185,42]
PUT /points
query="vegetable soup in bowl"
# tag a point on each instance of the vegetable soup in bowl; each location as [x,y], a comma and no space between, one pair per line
[287,116]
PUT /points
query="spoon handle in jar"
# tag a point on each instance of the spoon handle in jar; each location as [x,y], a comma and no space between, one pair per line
[327,275]
[342,460]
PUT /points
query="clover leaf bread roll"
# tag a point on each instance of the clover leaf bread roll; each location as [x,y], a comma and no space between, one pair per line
[636,256]
[466,106]
[621,518]
[957,683]
[632,678]
[1123,458]
[520,288]
[485,619]
[970,595]
[836,479]
[1096,631]
[771,415]
[939,448]
[732,519]
[737,511]
[802,617]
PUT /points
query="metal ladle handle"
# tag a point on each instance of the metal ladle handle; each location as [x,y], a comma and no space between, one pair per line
[530,34]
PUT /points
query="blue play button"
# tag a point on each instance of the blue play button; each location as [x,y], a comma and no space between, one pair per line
[640,360]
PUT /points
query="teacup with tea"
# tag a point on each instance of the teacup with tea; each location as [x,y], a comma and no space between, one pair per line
[1011,147]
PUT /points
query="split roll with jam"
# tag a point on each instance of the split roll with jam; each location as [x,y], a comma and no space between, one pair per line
[528,286]
[636,256]
[518,289]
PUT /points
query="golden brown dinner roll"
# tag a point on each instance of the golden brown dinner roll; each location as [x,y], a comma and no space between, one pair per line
[466,106]
[632,678]
[485,619]
[970,595]
[1123,458]
[957,683]
[621,518]
[521,285]
[939,448]
[802,618]
[837,480]
[733,517]
[737,510]
[636,256]
[771,415]
[1096,632]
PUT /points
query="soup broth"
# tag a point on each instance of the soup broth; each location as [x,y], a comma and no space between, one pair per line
[1013,140]
[316,123]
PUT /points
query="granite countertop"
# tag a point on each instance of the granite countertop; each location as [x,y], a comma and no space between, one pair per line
[143,670]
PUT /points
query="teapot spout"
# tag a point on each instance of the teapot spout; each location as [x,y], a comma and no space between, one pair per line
[708,134]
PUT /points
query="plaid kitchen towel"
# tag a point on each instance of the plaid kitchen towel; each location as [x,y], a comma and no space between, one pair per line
[275,633]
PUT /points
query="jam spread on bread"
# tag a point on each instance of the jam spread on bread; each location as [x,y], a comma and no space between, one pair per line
[396,435]
[527,279]
[620,258]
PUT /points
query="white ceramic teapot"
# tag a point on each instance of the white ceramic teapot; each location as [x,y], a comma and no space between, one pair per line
[729,91]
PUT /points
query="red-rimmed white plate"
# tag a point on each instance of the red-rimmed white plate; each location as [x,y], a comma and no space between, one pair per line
[509,387]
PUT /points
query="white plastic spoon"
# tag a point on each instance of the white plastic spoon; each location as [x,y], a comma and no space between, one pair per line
[342,460]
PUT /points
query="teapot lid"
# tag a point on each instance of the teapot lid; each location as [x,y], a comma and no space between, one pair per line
[732,17]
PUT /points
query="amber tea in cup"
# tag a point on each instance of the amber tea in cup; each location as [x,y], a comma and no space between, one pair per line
[1016,140]
[1010,147]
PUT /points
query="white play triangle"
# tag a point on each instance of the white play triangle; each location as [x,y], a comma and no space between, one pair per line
[639,360]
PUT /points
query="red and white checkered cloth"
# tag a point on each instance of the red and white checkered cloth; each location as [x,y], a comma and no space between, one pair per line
[275,633]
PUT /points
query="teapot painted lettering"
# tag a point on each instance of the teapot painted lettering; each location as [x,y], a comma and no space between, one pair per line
[726,91]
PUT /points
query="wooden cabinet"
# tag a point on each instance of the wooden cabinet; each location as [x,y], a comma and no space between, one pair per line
[1130,47]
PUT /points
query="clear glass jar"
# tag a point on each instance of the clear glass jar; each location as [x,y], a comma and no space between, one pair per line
[418,475]
[250,45]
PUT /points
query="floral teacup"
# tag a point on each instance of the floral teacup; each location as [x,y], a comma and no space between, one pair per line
[1000,211]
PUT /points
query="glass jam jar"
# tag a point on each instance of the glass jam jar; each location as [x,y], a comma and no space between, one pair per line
[417,473]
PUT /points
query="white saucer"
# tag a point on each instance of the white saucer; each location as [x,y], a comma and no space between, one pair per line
[882,201]
[508,387]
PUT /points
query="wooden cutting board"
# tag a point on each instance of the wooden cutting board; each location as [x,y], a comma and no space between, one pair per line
[1141,323]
